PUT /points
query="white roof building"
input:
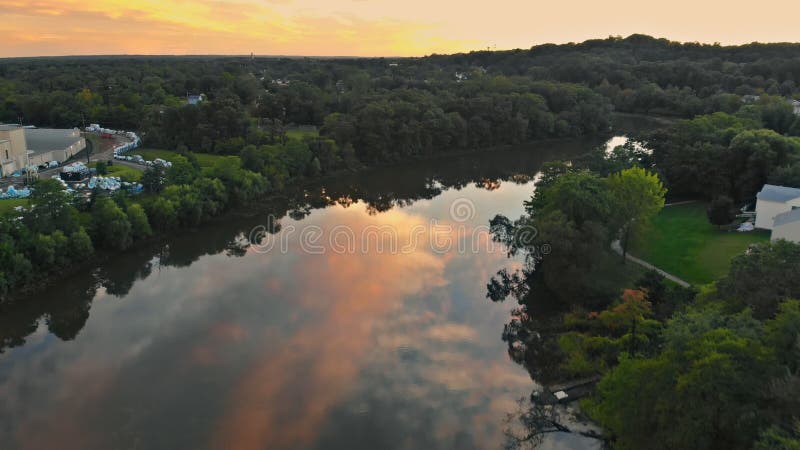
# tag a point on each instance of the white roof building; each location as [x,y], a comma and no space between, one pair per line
[26,146]
[778,209]
[787,226]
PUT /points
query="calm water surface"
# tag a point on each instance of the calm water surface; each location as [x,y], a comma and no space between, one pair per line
[205,342]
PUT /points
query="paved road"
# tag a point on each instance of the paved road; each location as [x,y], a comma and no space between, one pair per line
[618,248]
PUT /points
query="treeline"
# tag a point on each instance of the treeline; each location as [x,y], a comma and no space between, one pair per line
[387,109]
[58,229]
[483,113]
[642,74]
[392,125]
[718,369]
[728,156]
[370,109]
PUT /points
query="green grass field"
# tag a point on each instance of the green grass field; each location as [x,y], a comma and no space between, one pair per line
[300,133]
[682,242]
[204,159]
[9,204]
[126,173]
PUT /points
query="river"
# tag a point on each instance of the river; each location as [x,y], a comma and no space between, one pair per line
[361,322]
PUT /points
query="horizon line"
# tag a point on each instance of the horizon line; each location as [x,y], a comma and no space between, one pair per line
[299,56]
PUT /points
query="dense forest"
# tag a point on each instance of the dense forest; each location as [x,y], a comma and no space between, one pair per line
[389,109]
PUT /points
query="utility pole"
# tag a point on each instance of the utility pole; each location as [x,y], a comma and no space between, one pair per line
[27,167]
[89,148]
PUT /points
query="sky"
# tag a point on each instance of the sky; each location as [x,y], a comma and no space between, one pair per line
[371,27]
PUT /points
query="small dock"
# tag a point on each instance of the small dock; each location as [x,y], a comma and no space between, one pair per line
[567,392]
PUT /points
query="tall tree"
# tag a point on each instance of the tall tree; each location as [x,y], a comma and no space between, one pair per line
[638,196]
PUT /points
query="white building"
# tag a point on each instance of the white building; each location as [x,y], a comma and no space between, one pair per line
[21,147]
[787,226]
[774,200]
[778,210]
[13,150]
[45,145]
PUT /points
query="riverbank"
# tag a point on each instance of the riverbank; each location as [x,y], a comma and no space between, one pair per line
[396,336]
[296,193]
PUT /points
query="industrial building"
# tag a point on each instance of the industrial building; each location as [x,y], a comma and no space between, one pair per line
[23,146]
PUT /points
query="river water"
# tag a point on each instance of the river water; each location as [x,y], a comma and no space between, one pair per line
[361,322]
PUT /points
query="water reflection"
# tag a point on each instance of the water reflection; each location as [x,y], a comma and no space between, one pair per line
[201,342]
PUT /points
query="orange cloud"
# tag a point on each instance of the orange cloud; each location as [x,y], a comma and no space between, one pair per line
[203,27]
[376,27]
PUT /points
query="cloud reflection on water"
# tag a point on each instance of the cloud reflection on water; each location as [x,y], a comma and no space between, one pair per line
[290,350]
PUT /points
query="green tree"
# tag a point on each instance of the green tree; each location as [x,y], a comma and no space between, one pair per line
[580,196]
[162,214]
[51,208]
[187,202]
[763,277]
[240,184]
[110,225]
[638,195]
[212,195]
[44,252]
[786,176]
[702,392]
[570,214]
[721,211]
[140,226]
[153,179]
[783,335]
[754,155]
[571,270]
[80,245]
[774,438]
[182,171]
[776,113]
[101,167]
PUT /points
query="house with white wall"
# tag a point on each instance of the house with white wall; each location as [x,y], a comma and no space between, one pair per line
[774,200]
[778,210]
[25,146]
[787,226]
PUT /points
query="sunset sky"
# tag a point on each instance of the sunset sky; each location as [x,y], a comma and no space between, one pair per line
[370,27]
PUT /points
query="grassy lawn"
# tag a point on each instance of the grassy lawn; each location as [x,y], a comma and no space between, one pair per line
[125,173]
[300,133]
[682,242]
[8,205]
[204,159]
